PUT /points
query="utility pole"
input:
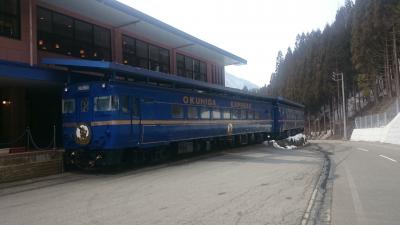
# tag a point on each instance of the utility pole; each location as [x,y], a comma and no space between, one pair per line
[387,71]
[337,77]
[396,69]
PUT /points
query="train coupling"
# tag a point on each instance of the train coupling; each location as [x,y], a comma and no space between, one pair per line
[92,163]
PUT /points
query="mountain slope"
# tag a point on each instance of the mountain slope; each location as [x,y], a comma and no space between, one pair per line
[239,83]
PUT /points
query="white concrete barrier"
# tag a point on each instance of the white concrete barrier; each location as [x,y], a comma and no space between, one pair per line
[392,133]
[388,134]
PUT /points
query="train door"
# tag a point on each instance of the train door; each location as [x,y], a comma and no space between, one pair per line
[276,119]
[83,109]
[136,120]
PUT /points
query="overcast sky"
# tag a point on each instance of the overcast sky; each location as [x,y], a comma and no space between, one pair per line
[253,29]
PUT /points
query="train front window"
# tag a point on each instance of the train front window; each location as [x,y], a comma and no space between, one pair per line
[106,103]
[124,102]
[68,106]
[85,104]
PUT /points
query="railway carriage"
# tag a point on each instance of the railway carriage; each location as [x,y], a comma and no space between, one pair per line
[134,115]
[288,119]
[108,122]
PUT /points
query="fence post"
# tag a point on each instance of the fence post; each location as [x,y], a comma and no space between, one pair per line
[27,138]
[54,137]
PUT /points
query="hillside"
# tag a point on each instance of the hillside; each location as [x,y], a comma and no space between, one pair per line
[362,44]
[239,83]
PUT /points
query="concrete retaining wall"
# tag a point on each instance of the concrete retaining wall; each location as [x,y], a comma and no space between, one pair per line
[20,166]
[388,134]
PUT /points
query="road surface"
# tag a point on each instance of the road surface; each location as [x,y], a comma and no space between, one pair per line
[251,185]
[366,182]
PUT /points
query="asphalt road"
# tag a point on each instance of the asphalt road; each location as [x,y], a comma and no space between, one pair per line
[250,185]
[366,182]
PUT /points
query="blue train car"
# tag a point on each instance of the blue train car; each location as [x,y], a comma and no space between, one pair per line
[105,121]
[288,118]
[139,114]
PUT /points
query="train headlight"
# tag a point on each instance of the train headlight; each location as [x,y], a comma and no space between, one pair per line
[66,89]
[103,85]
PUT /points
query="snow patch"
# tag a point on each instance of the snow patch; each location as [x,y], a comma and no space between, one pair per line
[298,139]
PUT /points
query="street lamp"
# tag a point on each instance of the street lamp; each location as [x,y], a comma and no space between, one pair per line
[337,77]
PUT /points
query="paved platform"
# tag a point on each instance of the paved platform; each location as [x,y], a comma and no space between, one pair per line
[250,185]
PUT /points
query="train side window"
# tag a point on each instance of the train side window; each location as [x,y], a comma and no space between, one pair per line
[124,103]
[216,114]
[114,103]
[250,115]
[177,111]
[193,112]
[243,115]
[135,107]
[106,103]
[226,114]
[256,115]
[205,113]
[235,114]
[84,104]
[68,106]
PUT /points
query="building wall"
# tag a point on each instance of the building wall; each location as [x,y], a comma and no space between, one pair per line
[25,49]
[19,50]
[29,165]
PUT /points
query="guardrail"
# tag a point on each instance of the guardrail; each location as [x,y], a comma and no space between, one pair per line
[30,143]
[380,119]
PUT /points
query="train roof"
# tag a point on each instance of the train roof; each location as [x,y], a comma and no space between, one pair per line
[113,70]
[282,100]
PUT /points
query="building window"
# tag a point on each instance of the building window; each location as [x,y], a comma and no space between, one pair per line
[68,36]
[217,75]
[141,54]
[10,19]
[191,68]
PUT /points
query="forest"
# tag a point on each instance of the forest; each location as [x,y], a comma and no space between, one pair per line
[362,43]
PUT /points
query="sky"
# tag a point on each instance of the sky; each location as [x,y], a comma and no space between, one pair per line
[253,29]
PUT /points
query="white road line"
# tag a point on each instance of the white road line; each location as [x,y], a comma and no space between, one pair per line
[358,207]
[393,160]
[363,149]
